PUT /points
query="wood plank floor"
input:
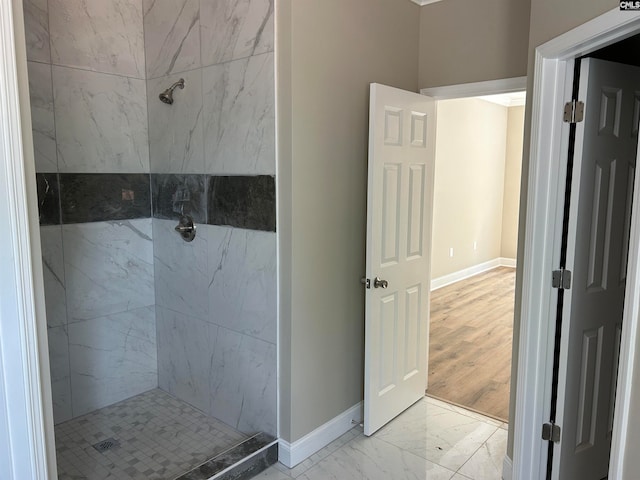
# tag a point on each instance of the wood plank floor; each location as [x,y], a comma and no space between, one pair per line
[471,332]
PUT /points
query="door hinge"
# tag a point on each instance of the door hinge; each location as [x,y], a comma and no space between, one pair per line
[573,112]
[561,279]
[551,432]
[366,282]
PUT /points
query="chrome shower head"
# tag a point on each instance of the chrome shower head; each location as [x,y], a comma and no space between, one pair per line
[167,95]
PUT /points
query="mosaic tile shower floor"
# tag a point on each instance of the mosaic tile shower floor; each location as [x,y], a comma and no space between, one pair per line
[159,436]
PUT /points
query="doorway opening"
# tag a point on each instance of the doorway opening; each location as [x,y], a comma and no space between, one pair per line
[475,221]
[550,140]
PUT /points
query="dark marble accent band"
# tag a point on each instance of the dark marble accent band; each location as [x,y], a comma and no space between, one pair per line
[243,202]
[241,462]
[98,197]
[48,198]
[247,202]
[175,194]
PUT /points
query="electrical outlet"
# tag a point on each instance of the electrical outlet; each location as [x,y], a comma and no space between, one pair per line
[451,252]
[475,245]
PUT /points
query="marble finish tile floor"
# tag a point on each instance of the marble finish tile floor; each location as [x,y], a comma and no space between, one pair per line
[159,437]
[432,440]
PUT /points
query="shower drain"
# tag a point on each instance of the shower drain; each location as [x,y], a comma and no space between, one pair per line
[107,444]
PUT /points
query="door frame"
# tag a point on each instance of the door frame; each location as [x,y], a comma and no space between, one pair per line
[26,416]
[543,230]
[476,89]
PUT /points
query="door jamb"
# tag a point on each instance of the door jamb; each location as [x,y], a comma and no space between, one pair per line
[476,89]
[543,224]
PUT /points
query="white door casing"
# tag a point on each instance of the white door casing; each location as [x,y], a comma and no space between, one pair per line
[544,204]
[27,448]
[399,217]
[598,242]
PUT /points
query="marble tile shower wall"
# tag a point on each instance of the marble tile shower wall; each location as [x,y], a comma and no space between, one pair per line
[199,318]
[213,150]
[87,84]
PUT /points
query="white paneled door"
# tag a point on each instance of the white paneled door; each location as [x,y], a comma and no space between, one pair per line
[399,213]
[601,201]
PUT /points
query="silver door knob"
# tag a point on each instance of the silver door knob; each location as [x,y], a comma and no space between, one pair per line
[379,283]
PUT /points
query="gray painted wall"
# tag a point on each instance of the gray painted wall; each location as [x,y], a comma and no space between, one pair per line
[463,42]
[329,52]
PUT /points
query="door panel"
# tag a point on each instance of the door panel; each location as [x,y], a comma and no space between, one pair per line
[399,209]
[416,212]
[412,332]
[600,211]
[391,216]
[610,103]
[614,376]
[588,398]
[600,225]
[388,343]
[624,252]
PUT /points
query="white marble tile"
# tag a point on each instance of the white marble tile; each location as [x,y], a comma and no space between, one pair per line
[42,119]
[181,270]
[320,455]
[372,459]
[96,35]
[243,281]
[272,473]
[108,267]
[243,382]
[233,29]
[486,463]
[409,430]
[477,416]
[60,375]
[112,358]
[451,438]
[176,144]
[36,26]
[101,122]
[185,351]
[172,36]
[299,469]
[464,411]
[239,118]
[53,272]
[459,476]
[329,449]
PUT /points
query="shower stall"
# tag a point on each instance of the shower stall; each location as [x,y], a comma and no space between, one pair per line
[154,136]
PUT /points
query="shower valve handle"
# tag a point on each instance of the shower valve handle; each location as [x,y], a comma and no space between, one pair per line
[186,228]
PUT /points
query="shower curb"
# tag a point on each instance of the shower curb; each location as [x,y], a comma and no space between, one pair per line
[242,462]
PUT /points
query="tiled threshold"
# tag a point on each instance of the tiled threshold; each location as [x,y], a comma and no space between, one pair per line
[241,462]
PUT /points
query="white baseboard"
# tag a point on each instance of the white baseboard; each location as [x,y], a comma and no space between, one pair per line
[454,277]
[507,262]
[291,454]
[507,469]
